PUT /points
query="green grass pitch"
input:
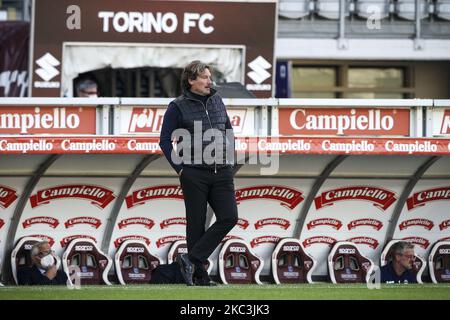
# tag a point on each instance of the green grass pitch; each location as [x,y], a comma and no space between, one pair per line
[315,291]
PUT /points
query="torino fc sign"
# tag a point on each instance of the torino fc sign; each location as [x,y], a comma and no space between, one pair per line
[246,26]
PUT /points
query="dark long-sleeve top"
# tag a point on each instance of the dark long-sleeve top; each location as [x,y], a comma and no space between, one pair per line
[171,122]
[33,276]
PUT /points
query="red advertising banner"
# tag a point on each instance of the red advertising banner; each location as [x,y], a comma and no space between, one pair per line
[118,241]
[264,239]
[47,120]
[334,223]
[141,196]
[381,198]
[146,222]
[94,222]
[99,196]
[253,145]
[52,222]
[7,196]
[282,223]
[376,224]
[344,121]
[421,198]
[287,197]
[168,240]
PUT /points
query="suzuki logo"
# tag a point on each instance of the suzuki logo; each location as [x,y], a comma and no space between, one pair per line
[259,67]
[47,64]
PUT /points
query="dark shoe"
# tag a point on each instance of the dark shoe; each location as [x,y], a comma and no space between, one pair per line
[187,269]
[204,282]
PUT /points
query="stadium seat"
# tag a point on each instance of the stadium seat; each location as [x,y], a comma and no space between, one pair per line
[418,266]
[180,247]
[21,257]
[294,9]
[134,263]
[442,9]
[330,9]
[347,265]
[290,263]
[368,8]
[94,265]
[439,262]
[238,264]
[406,9]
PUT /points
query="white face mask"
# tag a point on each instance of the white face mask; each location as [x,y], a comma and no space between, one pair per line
[47,261]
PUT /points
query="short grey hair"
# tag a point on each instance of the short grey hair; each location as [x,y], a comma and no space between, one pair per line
[400,247]
[36,247]
[85,84]
[191,72]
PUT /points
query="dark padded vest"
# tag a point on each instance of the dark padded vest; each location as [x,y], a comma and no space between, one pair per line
[212,115]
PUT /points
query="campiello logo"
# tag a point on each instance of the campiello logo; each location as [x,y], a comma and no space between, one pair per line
[344,121]
[168,240]
[52,222]
[146,222]
[381,198]
[371,242]
[318,240]
[141,196]
[229,237]
[287,197]
[93,222]
[421,198]
[169,222]
[283,223]
[444,225]
[7,196]
[99,196]
[424,243]
[118,241]
[264,239]
[65,241]
[376,224]
[334,223]
[50,240]
[425,223]
[243,223]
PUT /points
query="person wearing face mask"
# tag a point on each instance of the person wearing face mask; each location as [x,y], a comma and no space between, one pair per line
[43,270]
[87,89]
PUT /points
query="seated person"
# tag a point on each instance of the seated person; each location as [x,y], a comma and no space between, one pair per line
[43,269]
[399,268]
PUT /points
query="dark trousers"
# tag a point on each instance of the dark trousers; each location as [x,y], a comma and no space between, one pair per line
[201,187]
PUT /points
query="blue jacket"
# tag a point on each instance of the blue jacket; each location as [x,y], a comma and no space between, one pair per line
[32,276]
[388,275]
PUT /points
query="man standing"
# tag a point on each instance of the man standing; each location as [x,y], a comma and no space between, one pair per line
[199,123]
[398,270]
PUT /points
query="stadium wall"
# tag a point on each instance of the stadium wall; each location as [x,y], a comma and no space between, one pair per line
[351,185]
